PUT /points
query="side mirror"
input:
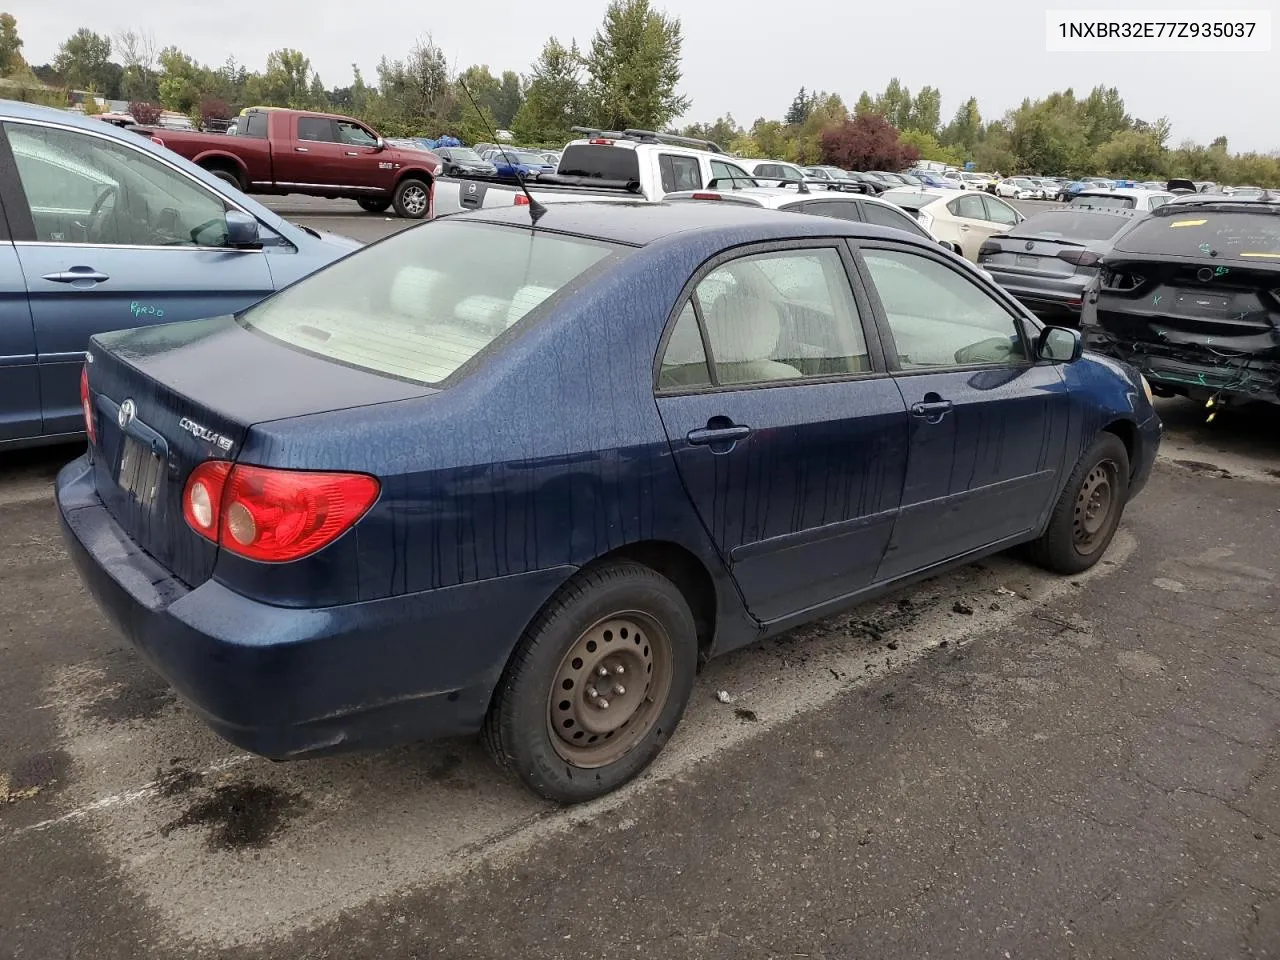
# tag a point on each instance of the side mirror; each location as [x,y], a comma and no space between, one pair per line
[242,231]
[1060,345]
[379,145]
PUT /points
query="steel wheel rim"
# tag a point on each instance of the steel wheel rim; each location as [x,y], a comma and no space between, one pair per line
[414,199]
[1094,506]
[590,723]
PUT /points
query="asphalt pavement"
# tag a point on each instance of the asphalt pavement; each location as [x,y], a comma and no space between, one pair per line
[995,763]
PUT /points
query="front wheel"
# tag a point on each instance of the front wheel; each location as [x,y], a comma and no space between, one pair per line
[597,684]
[1088,511]
[373,206]
[228,177]
[412,198]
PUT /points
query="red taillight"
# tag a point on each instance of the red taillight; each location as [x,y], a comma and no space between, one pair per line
[521,200]
[274,515]
[707,196]
[1081,258]
[86,406]
[601,142]
[157,141]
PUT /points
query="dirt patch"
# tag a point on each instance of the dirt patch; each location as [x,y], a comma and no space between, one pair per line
[1209,469]
[178,780]
[132,693]
[239,816]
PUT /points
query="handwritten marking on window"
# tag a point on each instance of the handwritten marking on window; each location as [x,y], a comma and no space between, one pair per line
[145,309]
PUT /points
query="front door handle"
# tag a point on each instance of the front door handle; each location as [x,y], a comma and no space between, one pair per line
[300,150]
[716,435]
[87,275]
[352,153]
[931,410]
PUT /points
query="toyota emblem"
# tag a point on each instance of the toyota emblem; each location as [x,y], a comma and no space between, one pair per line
[128,411]
[471,188]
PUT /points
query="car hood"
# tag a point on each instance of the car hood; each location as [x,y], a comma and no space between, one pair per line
[342,245]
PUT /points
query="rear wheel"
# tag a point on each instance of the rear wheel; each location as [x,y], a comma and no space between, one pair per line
[373,206]
[412,198]
[1088,512]
[228,176]
[597,684]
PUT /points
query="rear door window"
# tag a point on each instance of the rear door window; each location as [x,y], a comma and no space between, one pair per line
[885,216]
[317,129]
[968,206]
[600,161]
[679,172]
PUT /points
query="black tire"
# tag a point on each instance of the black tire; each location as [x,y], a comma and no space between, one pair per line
[528,700]
[228,176]
[1076,539]
[373,206]
[412,198]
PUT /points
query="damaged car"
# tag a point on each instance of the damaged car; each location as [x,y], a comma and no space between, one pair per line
[1191,297]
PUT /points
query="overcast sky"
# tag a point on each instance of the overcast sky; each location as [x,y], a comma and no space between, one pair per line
[745,57]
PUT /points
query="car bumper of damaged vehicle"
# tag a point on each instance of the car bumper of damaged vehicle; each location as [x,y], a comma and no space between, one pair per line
[1196,373]
[290,682]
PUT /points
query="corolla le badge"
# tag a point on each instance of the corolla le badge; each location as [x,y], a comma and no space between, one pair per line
[204,433]
[127,413]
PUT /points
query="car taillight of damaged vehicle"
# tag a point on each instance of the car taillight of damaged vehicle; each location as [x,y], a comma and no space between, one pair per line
[1191,297]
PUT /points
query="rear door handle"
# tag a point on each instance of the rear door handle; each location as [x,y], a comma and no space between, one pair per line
[932,410]
[352,153]
[76,275]
[300,150]
[716,435]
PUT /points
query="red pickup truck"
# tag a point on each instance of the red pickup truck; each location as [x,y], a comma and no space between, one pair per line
[279,152]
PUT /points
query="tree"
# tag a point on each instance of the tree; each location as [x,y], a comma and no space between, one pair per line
[722,132]
[147,114]
[287,77]
[894,104]
[417,93]
[82,60]
[178,87]
[799,110]
[554,99]
[10,46]
[212,109]
[509,100]
[826,110]
[485,89]
[866,143]
[926,144]
[1102,115]
[865,105]
[317,96]
[965,128]
[926,111]
[634,67]
[1130,153]
[137,51]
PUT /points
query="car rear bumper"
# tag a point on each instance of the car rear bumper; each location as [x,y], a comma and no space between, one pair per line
[1149,435]
[283,682]
[1050,299]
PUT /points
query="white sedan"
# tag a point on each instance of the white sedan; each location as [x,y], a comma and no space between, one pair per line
[1019,188]
[960,221]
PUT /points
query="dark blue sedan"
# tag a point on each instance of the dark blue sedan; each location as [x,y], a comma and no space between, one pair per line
[512,164]
[487,475]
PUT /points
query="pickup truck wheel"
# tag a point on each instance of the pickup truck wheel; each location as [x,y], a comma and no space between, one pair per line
[597,684]
[373,206]
[1088,512]
[412,199]
[228,176]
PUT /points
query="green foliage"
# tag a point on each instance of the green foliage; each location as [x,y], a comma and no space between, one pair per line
[926,144]
[634,68]
[287,76]
[894,104]
[926,111]
[555,99]
[799,110]
[10,46]
[965,129]
[82,60]
[509,99]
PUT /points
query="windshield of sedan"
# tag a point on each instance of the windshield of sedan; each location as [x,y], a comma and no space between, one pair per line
[463,153]
[420,305]
[1230,235]
[908,199]
[1107,201]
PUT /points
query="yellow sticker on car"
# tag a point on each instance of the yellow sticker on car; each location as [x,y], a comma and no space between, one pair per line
[1272,256]
[1187,223]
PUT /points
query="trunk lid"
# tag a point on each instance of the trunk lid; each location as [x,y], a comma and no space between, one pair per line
[1034,256]
[167,398]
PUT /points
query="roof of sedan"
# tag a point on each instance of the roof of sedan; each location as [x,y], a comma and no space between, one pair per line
[641,223]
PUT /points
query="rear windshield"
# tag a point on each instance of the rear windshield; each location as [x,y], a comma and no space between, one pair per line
[593,160]
[462,153]
[421,304]
[1071,225]
[1108,202]
[1233,235]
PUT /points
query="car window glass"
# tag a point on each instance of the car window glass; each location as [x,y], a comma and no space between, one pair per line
[840,209]
[727,171]
[938,317]
[968,206]
[782,316]
[316,129]
[255,125]
[679,173]
[685,362]
[355,134]
[885,216]
[998,212]
[86,189]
